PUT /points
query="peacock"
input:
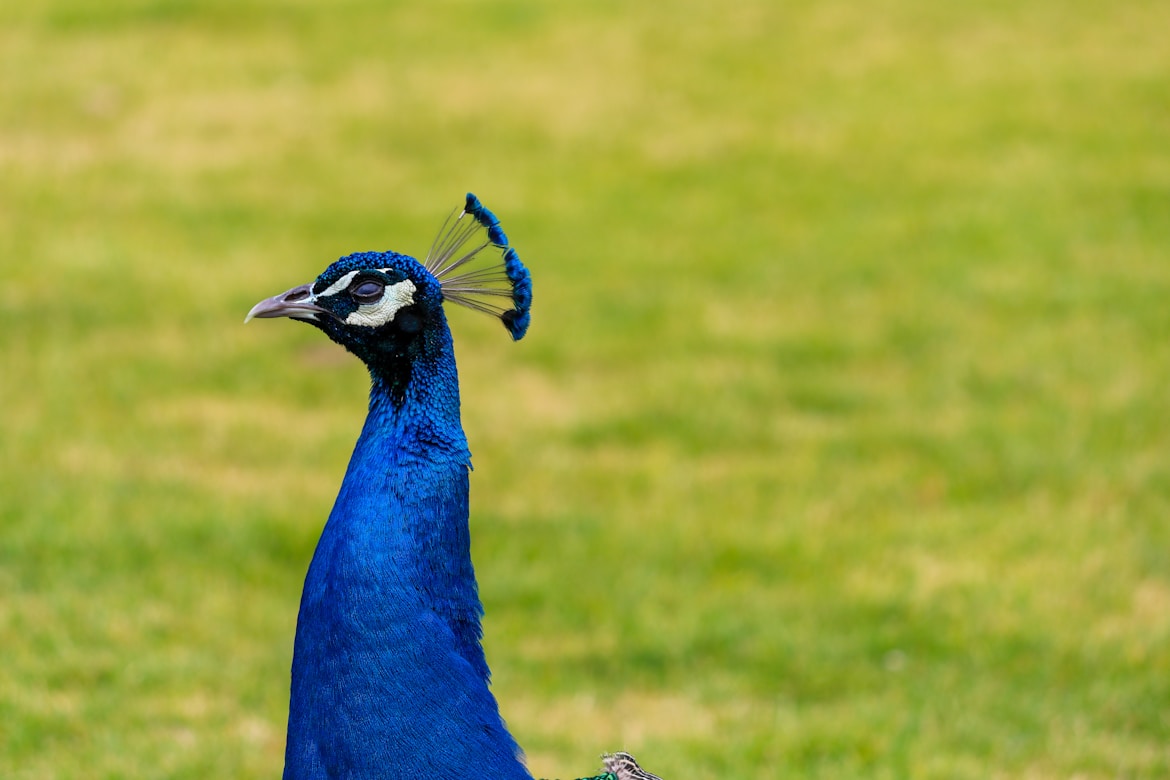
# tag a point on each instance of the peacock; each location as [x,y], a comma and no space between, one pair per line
[389,677]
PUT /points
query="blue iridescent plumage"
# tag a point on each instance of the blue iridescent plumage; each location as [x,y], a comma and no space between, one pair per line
[389,677]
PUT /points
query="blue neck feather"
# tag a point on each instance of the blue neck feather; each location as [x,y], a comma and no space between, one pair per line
[389,676]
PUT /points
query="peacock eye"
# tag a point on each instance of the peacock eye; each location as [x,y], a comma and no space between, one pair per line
[368,291]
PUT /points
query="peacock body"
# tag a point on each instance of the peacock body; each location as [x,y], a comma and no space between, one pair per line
[389,677]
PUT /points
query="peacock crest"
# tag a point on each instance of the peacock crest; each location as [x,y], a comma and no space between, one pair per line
[481,273]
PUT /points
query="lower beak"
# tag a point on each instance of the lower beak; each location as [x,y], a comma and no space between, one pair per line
[296,303]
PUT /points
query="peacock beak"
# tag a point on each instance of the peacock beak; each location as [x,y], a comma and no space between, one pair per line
[296,303]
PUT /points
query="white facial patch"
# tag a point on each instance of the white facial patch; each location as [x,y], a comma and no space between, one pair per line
[373,315]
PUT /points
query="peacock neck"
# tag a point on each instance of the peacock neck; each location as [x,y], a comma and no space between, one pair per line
[407,486]
[388,670]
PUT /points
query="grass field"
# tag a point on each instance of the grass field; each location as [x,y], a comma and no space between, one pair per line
[839,447]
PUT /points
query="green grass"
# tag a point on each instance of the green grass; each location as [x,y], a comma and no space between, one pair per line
[839,447]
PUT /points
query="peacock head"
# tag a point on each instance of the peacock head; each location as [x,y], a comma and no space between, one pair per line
[385,306]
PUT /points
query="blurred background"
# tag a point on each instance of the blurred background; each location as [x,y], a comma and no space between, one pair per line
[838,446]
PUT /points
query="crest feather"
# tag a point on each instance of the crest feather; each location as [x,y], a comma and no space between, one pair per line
[476,268]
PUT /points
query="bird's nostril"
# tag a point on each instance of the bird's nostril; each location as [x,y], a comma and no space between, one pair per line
[298,294]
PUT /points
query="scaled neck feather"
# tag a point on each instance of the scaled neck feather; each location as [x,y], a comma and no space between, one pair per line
[389,674]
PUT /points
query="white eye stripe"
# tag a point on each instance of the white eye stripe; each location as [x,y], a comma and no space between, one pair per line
[394,298]
[343,283]
[337,286]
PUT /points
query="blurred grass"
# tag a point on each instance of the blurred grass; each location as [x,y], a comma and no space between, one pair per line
[838,447]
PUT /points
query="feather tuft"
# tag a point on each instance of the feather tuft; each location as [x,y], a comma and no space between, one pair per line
[476,268]
[624,767]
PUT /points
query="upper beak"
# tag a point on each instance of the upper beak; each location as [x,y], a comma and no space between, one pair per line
[297,303]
